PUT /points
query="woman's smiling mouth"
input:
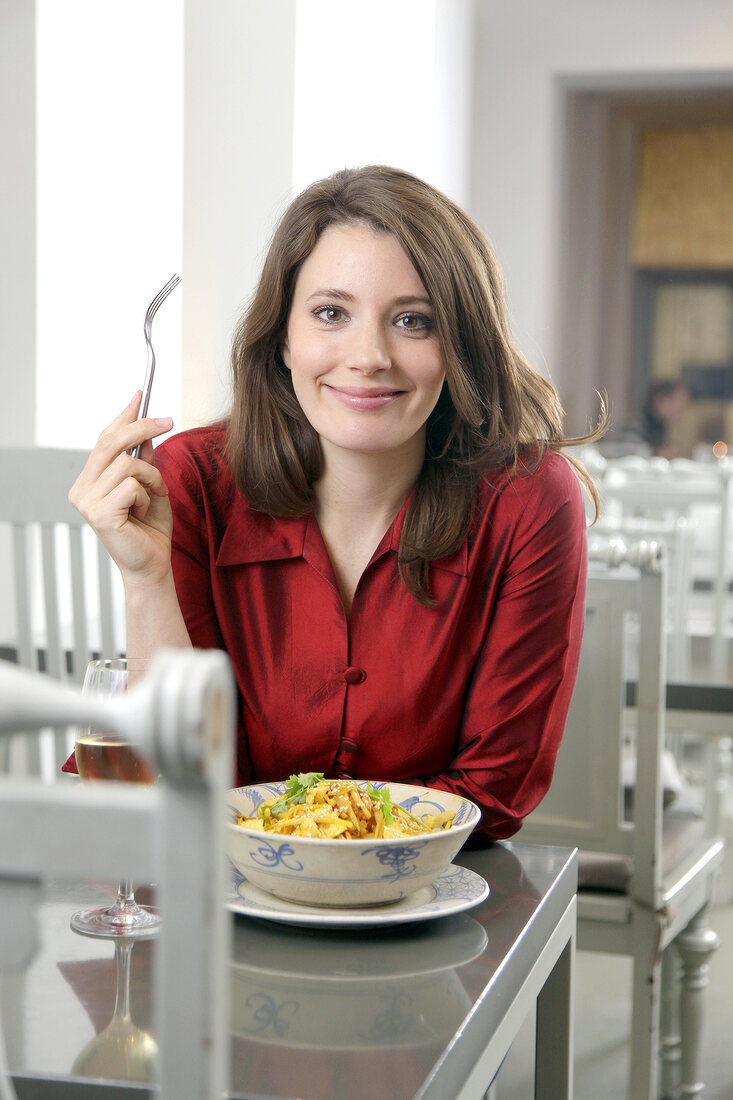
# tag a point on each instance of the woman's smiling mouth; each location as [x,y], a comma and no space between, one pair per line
[364,397]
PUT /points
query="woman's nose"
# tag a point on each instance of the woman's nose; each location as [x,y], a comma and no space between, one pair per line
[368,351]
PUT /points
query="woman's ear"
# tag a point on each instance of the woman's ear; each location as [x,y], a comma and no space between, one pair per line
[285,354]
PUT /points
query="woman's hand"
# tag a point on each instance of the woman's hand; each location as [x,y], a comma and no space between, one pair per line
[124,499]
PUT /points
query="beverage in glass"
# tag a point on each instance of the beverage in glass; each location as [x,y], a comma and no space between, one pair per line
[104,755]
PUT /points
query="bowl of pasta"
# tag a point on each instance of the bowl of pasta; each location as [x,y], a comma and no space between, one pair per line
[344,842]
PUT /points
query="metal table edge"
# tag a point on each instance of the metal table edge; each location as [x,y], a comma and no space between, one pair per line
[464,1049]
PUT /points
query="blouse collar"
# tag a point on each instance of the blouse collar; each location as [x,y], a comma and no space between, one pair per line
[251,536]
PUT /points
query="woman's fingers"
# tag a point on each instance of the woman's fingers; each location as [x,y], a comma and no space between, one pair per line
[110,513]
[147,452]
[124,499]
[109,442]
[126,466]
[134,403]
[96,502]
[123,434]
[124,437]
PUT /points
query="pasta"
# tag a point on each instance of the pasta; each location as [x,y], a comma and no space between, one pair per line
[341,809]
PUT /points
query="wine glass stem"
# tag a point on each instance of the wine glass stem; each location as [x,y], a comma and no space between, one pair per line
[125,905]
[123,950]
[125,895]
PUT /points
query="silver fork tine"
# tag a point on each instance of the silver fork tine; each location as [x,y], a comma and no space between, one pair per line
[157,300]
[152,309]
[160,297]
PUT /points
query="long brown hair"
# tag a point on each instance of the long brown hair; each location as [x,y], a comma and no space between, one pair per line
[494,409]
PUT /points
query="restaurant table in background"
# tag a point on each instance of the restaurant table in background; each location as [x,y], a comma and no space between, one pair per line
[418,1011]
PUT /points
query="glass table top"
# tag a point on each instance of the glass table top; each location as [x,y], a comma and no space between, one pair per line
[315,1012]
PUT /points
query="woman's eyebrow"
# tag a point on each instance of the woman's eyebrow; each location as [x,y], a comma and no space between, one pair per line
[413,299]
[345,296]
[331,292]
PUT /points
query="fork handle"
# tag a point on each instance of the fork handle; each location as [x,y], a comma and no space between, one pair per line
[145,400]
[157,301]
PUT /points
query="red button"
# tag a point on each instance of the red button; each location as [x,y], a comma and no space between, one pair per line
[354,675]
[347,745]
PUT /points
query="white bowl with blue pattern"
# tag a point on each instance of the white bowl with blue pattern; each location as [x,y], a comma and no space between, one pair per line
[319,871]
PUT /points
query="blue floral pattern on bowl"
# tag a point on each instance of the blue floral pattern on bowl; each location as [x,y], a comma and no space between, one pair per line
[402,862]
[276,855]
[256,796]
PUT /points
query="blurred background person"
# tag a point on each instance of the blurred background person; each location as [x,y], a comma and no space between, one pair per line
[666,402]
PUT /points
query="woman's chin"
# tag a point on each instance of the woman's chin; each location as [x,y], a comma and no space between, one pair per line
[373,445]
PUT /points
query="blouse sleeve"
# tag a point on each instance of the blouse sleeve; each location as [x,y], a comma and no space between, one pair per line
[190,549]
[189,480]
[518,697]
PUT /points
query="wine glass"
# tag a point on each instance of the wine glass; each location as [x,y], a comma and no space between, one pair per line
[122,1050]
[103,755]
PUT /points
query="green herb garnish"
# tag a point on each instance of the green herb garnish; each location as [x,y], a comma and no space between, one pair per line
[383,797]
[294,793]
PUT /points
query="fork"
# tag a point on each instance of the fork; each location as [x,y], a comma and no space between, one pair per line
[152,309]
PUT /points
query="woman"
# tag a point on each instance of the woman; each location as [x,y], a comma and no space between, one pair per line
[382,535]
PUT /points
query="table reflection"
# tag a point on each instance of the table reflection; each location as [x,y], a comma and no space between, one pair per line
[340,991]
[121,1050]
[310,1007]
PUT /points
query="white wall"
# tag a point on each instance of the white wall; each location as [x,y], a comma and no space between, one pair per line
[390,83]
[523,51]
[17,222]
[17,247]
[109,209]
[237,176]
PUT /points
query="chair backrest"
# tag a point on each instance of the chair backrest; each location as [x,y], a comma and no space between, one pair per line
[657,489]
[60,584]
[677,537]
[585,804]
[172,833]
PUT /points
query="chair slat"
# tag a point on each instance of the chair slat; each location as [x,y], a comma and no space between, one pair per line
[26,652]
[79,605]
[106,607]
[55,665]
[55,652]
[22,753]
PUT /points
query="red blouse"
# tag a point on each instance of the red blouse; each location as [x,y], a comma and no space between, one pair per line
[470,695]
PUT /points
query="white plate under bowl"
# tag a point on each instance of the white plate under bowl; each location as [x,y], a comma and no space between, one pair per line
[452,891]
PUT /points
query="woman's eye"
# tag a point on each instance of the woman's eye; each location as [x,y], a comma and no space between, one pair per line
[413,322]
[331,314]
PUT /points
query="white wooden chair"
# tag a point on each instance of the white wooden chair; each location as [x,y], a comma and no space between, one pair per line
[171,833]
[645,882]
[59,583]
